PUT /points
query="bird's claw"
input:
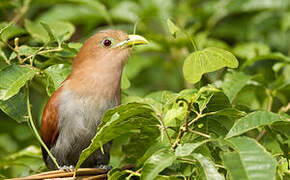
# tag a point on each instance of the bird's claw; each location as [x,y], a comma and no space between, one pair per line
[102,166]
[70,168]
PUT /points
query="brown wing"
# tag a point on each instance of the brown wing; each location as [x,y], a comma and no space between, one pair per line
[49,122]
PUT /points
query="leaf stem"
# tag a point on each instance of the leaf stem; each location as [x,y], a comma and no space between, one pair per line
[189,37]
[132,173]
[184,128]
[199,133]
[16,49]
[34,128]
[269,108]
[165,128]
[42,52]
[187,159]
[20,13]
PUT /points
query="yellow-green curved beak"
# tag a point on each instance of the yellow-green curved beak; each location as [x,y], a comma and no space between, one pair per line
[132,41]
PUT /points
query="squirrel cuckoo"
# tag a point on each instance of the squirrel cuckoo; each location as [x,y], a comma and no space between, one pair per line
[73,113]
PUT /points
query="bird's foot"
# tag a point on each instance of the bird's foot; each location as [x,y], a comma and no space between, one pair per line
[102,166]
[70,168]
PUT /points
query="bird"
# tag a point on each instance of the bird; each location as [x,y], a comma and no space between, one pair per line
[74,111]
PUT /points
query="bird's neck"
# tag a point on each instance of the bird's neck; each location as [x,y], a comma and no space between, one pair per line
[96,79]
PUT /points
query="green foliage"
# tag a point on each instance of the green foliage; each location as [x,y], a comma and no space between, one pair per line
[253,163]
[184,114]
[207,60]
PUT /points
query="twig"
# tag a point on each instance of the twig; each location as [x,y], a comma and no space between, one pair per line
[132,173]
[101,174]
[199,133]
[34,128]
[16,49]
[20,13]
[42,52]
[261,135]
[285,108]
[184,128]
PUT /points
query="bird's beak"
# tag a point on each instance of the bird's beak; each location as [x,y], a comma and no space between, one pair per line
[132,41]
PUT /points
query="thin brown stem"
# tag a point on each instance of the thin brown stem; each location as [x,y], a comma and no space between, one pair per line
[285,108]
[16,49]
[41,52]
[196,118]
[133,173]
[199,133]
[31,122]
[21,12]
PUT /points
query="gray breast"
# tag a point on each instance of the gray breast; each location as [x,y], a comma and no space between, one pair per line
[79,118]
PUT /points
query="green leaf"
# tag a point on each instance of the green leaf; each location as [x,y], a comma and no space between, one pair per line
[251,50]
[56,75]
[172,114]
[173,29]
[12,78]
[207,165]
[151,150]
[254,120]
[125,83]
[187,148]
[9,31]
[207,60]
[24,50]
[122,120]
[250,161]
[233,83]
[157,163]
[116,174]
[57,30]
[15,107]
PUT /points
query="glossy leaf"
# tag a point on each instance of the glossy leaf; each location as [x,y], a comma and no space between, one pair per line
[24,50]
[125,83]
[8,31]
[207,60]
[233,83]
[250,161]
[56,75]
[187,148]
[15,107]
[50,30]
[121,120]
[208,167]
[172,114]
[254,120]
[12,78]
[157,163]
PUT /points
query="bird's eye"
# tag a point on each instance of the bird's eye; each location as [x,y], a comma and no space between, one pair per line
[107,43]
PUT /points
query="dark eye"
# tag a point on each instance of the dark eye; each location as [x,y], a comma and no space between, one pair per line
[107,42]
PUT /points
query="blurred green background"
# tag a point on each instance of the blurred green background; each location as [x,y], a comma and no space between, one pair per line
[248,28]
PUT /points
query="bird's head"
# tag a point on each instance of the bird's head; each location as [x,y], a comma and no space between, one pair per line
[108,46]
